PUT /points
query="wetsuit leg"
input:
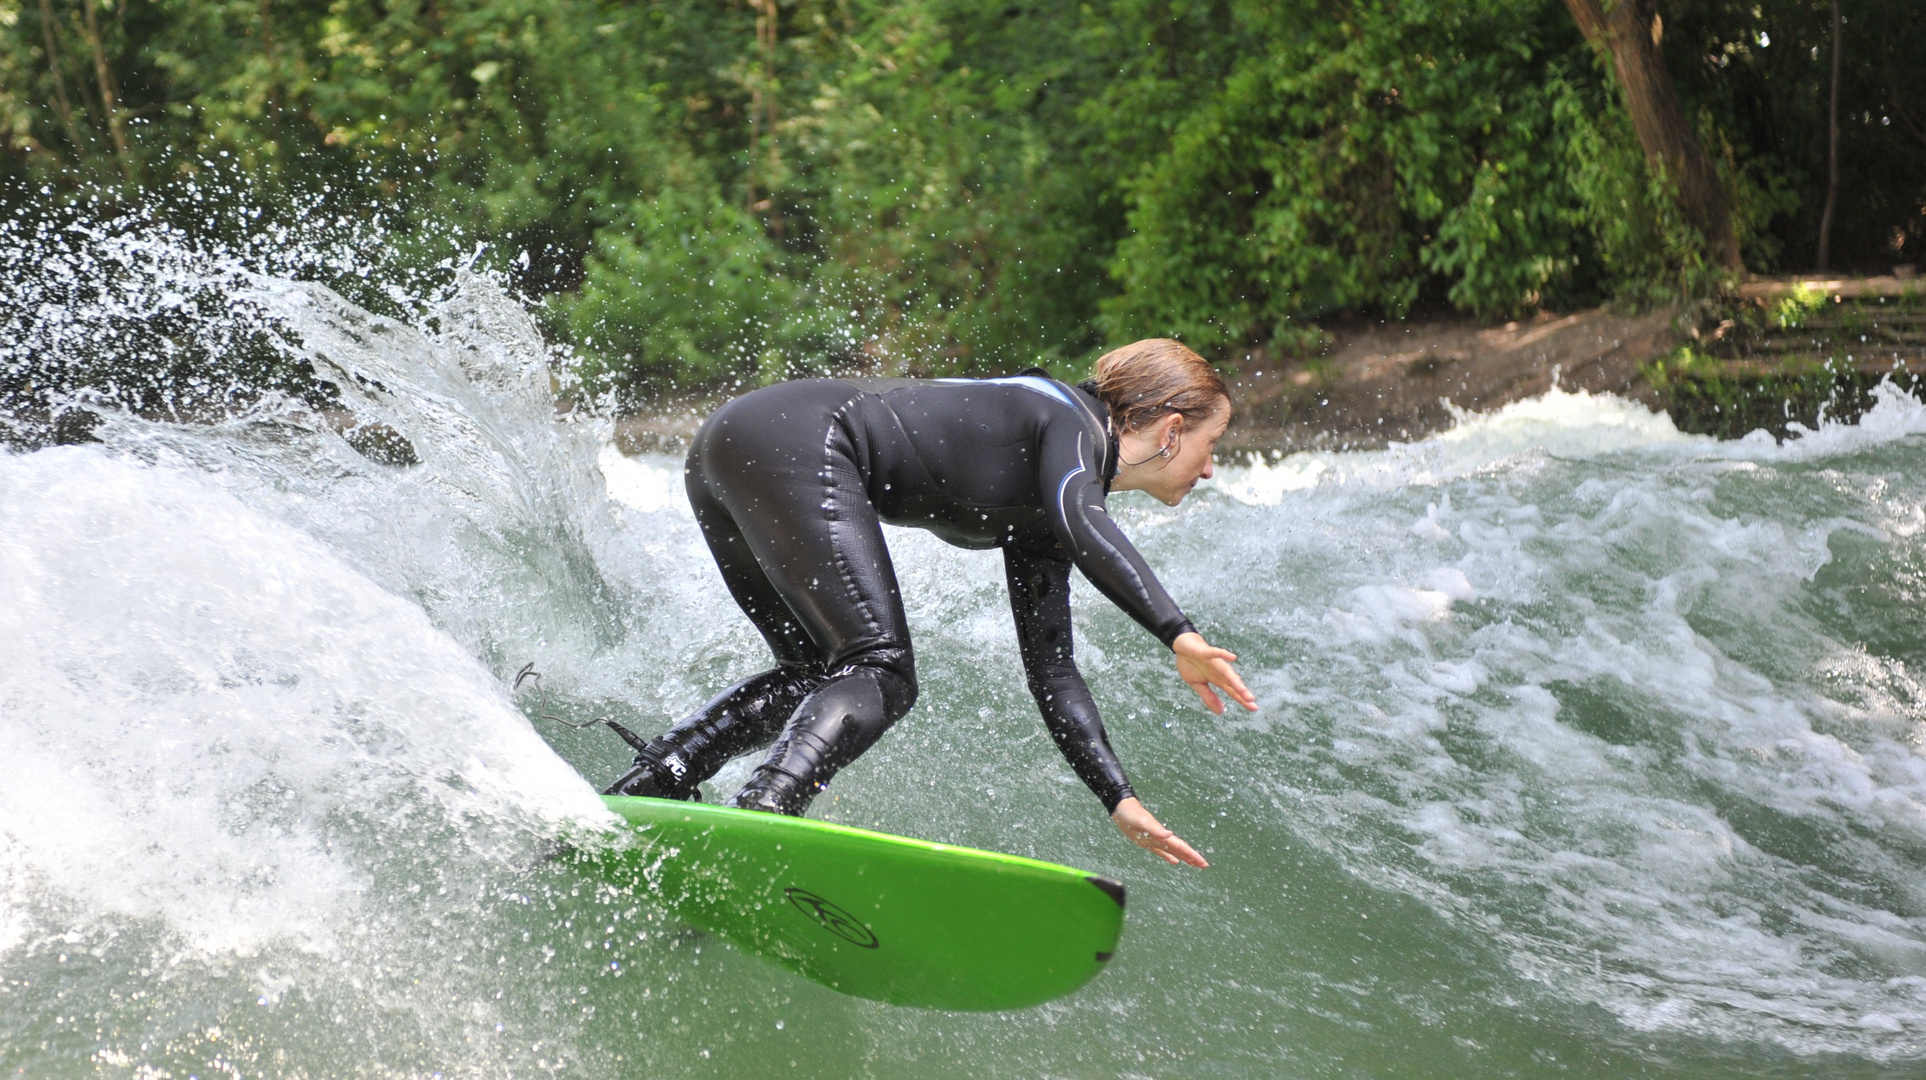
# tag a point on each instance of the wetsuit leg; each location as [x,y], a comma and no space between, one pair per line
[743,573]
[784,467]
[741,718]
[831,728]
[752,712]
[783,506]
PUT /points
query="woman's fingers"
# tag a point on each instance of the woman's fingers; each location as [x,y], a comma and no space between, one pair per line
[1235,687]
[1171,848]
[1148,833]
[1209,697]
[1204,666]
[1175,851]
[1227,681]
[1224,676]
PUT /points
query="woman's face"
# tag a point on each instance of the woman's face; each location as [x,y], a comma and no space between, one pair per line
[1192,447]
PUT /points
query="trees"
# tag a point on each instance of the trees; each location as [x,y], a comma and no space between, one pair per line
[721,189]
[1629,31]
[1285,161]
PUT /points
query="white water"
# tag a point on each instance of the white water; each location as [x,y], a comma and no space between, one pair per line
[1585,744]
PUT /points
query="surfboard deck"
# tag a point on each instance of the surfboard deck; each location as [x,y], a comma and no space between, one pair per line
[876,916]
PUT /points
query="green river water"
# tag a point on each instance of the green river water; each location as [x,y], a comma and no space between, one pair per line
[1588,749]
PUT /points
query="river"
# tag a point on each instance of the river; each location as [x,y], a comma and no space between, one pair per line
[1587,749]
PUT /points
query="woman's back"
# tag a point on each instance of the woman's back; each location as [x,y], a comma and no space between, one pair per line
[980,462]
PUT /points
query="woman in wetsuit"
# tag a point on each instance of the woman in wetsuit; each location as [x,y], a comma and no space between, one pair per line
[789,484]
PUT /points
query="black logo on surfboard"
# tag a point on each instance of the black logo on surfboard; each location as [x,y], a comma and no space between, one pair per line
[831,918]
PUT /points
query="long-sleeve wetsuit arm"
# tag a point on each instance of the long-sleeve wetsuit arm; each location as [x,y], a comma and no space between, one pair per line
[1040,600]
[1073,493]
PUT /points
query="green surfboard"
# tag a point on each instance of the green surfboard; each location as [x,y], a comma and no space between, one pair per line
[884,917]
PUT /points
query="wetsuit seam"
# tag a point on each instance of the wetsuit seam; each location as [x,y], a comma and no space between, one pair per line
[839,419]
[1103,425]
[1090,529]
[1063,511]
[910,445]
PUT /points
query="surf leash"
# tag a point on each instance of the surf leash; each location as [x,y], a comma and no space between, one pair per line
[528,674]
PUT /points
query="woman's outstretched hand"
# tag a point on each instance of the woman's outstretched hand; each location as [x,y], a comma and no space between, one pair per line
[1147,832]
[1203,666]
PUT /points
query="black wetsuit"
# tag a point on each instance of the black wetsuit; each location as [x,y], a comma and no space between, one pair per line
[789,483]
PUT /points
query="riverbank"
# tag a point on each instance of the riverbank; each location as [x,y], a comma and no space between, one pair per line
[1781,352]
[1377,382]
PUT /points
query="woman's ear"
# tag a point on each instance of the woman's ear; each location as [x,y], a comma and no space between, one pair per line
[1172,426]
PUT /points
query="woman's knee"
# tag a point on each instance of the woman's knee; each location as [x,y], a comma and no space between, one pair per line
[893,671]
[842,717]
[835,724]
[899,692]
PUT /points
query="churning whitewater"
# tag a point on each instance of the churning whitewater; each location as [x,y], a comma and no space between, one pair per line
[1587,746]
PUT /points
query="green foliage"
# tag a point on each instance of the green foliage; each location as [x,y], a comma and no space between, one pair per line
[1792,310]
[1346,155]
[1641,238]
[714,191]
[684,287]
[936,165]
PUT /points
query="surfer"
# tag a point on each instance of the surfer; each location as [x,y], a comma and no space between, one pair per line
[789,484]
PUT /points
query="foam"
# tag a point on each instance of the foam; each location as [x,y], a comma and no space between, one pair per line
[1557,424]
[651,487]
[1591,691]
[1627,689]
[206,708]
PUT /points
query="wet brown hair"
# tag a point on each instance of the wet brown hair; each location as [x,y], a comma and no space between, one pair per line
[1150,378]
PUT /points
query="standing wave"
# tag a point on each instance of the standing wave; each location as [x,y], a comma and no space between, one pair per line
[1588,747]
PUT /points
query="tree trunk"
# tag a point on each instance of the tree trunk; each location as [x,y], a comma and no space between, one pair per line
[762,112]
[109,99]
[1629,32]
[1832,149]
[62,106]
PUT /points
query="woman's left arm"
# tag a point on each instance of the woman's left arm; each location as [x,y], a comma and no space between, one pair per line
[1073,495]
[1040,601]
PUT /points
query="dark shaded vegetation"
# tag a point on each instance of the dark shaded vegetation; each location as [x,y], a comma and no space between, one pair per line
[115,308]
[1795,360]
[712,192]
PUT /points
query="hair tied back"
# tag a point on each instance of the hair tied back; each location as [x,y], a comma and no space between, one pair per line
[1150,378]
